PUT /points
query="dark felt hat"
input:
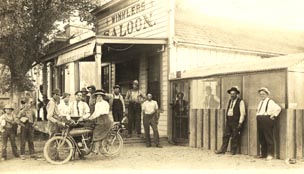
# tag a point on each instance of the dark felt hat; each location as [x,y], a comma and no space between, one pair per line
[84,90]
[116,86]
[56,91]
[233,89]
[92,87]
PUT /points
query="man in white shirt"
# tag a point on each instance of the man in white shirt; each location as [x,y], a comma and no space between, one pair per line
[267,112]
[64,106]
[79,108]
[150,118]
[235,115]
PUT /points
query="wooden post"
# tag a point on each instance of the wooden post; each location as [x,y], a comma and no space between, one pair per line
[253,146]
[206,130]
[245,136]
[76,76]
[44,79]
[213,130]
[98,56]
[282,127]
[199,128]
[290,134]
[192,125]
[220,127]
[299,134]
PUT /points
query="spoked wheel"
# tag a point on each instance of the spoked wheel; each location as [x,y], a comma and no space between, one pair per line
[111,145]
[58,150]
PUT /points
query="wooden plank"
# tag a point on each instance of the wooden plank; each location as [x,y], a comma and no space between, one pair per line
[206,124]
[220,127]
[299,133]
[290,134]
[245,136]
[192,126]
[253,145]
[282,127]
[213,130]
[199,127]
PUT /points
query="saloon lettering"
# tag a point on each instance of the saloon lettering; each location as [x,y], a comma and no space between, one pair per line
[134,25]
[131,26]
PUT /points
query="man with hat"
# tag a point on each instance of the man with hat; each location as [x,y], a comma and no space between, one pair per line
[7,122]
[53,115]
[117,104]
[85,96]
[27,118]
[135,97]
[267,112]
[235,115]
[92,99]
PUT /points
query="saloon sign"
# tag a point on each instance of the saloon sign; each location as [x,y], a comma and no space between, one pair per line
[132,19]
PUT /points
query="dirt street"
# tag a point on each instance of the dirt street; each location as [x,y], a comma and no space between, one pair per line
[138,157]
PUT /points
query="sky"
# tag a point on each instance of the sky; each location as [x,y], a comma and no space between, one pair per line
[288,14]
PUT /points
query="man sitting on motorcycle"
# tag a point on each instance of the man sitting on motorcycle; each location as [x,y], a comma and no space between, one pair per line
[102,121]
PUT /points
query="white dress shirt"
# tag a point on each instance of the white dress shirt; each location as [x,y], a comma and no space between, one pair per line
[242,110]
[64,109]
[101,108]
[272,110]
[82,111]
[149,107]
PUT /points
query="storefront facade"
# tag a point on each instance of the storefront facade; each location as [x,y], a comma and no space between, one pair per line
[155,42]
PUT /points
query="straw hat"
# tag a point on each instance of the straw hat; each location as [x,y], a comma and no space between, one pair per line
[264,89]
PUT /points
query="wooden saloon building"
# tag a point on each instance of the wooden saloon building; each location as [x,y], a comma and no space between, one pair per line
[171,48]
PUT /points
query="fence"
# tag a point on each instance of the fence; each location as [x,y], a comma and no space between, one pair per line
[207,128]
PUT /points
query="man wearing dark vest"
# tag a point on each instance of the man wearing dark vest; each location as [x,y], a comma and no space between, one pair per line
[235,115]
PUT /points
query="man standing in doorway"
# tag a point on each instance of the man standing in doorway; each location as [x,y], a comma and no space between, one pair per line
[150,118]
[235,115]
[267,112]
[79,108]
[135,98]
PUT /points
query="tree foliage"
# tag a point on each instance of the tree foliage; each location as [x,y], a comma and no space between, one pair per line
[25,27]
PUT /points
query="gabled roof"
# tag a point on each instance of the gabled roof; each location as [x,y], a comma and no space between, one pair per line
[294,62]
[198,28]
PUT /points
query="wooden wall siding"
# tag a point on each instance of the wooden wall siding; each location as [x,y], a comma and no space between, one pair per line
[198,56]
[162,125]
[150,21]
[207,128]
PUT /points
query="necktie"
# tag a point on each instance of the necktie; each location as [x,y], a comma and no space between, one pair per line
[261,106]
[78,108]
[231,104]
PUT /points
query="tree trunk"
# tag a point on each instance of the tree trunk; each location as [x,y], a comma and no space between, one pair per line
[15,96]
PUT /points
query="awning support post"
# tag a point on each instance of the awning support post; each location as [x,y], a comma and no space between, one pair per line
[98,56]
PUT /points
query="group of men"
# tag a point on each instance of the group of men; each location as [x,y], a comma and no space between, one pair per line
[267,112]
[139,105]
[9,121]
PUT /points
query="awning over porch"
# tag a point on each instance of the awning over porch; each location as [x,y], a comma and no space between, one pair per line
[76,54]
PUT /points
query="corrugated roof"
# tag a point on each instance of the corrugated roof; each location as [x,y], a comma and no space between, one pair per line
[199,28]
[276,63]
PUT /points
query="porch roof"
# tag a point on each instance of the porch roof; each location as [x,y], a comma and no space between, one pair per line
[293,62]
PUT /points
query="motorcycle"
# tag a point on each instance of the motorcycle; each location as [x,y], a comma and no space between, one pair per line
[63,146]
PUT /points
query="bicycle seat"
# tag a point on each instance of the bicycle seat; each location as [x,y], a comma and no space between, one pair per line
[80,131]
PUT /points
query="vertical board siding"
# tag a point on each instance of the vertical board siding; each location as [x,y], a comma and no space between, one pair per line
[207,128]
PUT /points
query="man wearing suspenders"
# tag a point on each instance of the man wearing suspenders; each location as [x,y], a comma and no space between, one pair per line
[267,111]
[235,115]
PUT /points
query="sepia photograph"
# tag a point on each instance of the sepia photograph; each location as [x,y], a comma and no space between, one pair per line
[151,86]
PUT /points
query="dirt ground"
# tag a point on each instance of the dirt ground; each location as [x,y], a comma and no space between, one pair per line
[137,158]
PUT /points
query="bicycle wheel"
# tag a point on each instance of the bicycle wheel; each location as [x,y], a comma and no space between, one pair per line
[112,144]
[58,150]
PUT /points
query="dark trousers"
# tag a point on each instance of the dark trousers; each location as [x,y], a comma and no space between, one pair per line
[9,134]
[27,135]
[231,131]
[134,117]
[151,120]
[117,115]
[265,133]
